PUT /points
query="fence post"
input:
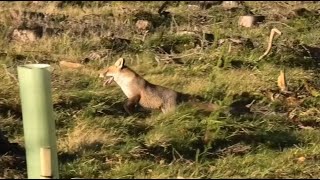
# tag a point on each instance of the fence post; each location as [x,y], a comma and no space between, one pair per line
[37,114]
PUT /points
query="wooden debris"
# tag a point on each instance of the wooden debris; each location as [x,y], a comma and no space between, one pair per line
[143,25]
[247,21]
[228,5]
[45,163]
[282,82]
[70,64]
[250,20]
[272,34]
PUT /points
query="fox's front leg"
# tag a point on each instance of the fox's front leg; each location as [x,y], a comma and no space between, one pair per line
[130,104]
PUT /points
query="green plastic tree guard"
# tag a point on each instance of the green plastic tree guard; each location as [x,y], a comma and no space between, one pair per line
[37,113]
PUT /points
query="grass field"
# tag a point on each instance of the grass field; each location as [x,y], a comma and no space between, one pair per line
[277,136]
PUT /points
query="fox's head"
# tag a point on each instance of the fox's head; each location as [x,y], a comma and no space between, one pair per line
[112,71]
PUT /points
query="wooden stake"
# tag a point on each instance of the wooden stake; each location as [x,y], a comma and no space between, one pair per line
[45,163]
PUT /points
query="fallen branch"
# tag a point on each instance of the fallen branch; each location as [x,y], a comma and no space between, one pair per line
[272,34]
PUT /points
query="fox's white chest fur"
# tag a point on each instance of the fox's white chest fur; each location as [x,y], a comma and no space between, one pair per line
[125,84]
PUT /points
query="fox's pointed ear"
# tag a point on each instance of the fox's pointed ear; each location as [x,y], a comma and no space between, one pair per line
[119,63]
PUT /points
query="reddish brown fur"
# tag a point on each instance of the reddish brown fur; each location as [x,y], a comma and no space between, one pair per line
[140,91]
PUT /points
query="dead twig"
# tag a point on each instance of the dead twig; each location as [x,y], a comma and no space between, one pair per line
[272,34]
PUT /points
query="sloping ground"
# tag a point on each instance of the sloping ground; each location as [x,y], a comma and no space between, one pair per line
[193,47]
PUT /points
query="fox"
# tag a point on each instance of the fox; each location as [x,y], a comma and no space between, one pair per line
[150,96]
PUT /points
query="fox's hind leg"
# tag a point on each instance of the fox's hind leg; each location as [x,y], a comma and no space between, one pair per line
[130,104]
[168,107]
